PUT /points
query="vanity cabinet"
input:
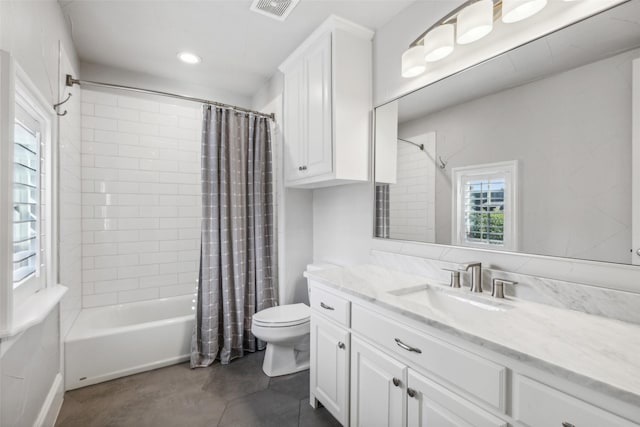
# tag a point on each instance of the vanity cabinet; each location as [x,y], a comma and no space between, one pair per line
[393,371]
[327,104]
[429,404]
[536,404]
[378,387]
[386,392]
[330,348]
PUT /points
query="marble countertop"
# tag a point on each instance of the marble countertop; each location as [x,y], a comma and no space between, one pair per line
[596,352]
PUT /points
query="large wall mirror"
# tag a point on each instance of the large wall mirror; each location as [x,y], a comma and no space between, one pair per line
[529,152]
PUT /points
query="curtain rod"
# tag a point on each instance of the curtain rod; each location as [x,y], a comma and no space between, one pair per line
[420,146]
[71,81]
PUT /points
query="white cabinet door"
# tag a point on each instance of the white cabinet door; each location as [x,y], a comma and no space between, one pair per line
[378,385]
[431,405]
[294,133]
[536,404]
[330,366]
[319,152]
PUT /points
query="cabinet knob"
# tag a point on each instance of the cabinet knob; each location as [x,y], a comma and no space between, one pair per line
[303,168]
[341,345]
[299,168]
[396,382]
[411,392]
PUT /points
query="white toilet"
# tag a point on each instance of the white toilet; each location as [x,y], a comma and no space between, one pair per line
[286,330]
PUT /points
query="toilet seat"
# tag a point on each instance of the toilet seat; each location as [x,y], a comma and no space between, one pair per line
[283,316]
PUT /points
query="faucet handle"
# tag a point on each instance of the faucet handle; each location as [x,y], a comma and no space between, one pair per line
[497,287]
[455,277]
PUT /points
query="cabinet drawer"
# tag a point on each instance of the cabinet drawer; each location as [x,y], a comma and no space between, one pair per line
[536,404]
[433,405]
[479,377]
[331,305]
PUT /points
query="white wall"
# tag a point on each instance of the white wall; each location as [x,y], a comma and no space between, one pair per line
[33,32]
[70,233]
[294,207]
[571,134]
[141,198]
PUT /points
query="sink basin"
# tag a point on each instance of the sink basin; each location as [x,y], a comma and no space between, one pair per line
[445,298]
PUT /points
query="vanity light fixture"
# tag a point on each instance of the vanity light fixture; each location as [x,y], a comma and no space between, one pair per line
[466,24]
[438,43]
[413,62]
[475,21]
[518,10]
[189,58]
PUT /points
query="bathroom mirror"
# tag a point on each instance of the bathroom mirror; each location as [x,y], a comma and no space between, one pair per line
[528,152]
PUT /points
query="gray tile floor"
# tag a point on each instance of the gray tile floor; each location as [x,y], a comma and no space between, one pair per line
[238,395]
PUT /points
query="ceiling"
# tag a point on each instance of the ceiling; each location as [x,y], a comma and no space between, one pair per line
[240,49]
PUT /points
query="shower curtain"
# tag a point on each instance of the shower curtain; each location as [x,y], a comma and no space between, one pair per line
[382,210]
[237,260]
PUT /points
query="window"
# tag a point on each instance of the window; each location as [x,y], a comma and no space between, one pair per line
[485,206]
[27,190]
[27,168]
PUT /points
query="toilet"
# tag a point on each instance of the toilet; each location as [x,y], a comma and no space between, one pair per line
[285,329]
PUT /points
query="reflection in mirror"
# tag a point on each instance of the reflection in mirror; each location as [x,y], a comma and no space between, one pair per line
[528,152]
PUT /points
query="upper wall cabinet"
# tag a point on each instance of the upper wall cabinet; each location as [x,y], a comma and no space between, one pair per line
[327,97]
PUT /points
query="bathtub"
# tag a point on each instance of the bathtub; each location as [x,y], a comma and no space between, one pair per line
[110,342]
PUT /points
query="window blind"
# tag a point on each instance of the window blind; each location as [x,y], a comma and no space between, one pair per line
[26,197]
[484,210]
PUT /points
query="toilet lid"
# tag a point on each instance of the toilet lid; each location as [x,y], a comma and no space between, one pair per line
[283,315]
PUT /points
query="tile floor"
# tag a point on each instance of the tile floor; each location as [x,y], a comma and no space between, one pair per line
[238,395]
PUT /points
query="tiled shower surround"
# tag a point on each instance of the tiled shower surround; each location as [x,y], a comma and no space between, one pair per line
[141,202]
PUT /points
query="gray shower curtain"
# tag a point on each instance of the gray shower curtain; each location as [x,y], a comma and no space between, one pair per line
[237,272]
[382,210]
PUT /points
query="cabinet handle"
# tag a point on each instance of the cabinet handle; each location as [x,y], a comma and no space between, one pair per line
[326,307]
[302,168]
[566,424]
[411,392]
[341,345]
[396,382]
[407,347]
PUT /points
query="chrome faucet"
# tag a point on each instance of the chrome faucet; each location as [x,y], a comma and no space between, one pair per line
[476,275]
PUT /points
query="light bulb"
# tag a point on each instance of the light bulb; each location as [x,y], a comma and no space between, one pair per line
[438,43]
[475,21]
[413,62]
[517,10]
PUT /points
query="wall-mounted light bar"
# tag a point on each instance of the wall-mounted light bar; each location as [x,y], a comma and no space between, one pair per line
[467,24]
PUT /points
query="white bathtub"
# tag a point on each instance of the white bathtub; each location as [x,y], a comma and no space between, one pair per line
[110,342]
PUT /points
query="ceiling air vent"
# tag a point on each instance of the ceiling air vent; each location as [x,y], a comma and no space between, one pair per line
[276,9]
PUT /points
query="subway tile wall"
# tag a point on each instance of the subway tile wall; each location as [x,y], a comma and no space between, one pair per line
[412,196]
[141,198]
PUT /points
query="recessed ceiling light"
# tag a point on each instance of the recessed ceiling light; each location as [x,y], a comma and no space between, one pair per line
[189,58]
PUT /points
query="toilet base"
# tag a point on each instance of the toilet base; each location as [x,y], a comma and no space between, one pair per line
[284,359]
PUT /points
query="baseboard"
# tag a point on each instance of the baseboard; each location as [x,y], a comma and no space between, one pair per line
[52,404]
